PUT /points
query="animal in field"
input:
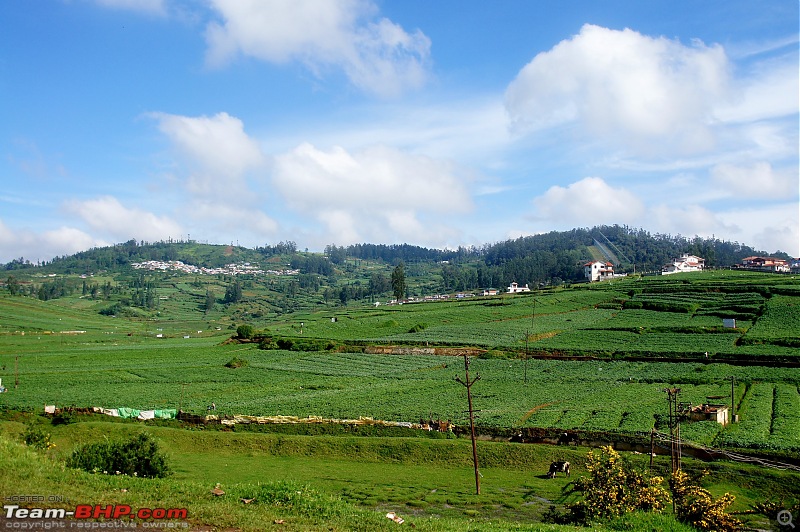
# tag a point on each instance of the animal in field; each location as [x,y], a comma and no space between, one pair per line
[558,467]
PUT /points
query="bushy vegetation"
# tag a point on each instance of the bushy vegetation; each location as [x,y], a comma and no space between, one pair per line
[37,438]
[245,331]
[237,362]
[137,456]
[614,488]
[696,506]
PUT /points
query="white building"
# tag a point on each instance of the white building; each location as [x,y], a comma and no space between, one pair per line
[685,263]
[598,271]
[515,288]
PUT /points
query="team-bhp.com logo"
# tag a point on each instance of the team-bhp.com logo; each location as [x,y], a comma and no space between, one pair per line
[96,511]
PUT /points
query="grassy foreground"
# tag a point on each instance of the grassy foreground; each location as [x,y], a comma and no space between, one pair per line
[344,482]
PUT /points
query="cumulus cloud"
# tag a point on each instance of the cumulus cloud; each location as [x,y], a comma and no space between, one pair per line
[588,202]
[690,220]
[625,86]
[24,243]
[379,57]
[379,193]
[758,180]
[230,219]
[107,215]
[771,227]
[216,149]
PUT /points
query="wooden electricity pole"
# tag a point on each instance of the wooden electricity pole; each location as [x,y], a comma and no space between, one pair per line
[674,427]
[180,404]
[468,384]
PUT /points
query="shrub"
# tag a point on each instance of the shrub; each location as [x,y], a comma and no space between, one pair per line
[245,332]
[138,456]
[303,344]
[63,418]
[38,439]
[614,488]
[695,505]
[418,328]
[236,362]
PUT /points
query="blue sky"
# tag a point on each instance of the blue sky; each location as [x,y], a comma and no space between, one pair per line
[438,124]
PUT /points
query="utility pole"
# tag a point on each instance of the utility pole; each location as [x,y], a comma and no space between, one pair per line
[674,427]
[652,447]
[525,372]
[180,404]
[468,384]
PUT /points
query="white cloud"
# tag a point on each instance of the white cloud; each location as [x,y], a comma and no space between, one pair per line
[377,56]
[756,181]
[768,228]
[588,202]
[18,242]
[690,220]
[107,215]
[651,94]
[216,149]
[769,91]
[150,7]
[230,220]
[376,194]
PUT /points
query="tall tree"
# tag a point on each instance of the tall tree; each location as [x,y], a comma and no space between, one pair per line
[233,294]
[13,285]
[210,300]
[399,281]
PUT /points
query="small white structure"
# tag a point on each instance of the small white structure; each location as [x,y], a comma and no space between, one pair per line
[489,292]
[514,288]
[684,263]
[705,412]
[598,271]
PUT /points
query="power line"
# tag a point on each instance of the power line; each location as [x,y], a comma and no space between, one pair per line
[736,457]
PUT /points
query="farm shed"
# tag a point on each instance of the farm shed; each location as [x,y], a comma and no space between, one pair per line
[718,413]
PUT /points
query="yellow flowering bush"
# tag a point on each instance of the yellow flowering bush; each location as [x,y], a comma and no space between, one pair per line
[696,506]
[614,488]
[38,439]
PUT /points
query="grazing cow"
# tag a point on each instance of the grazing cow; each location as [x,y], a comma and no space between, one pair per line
[558,467]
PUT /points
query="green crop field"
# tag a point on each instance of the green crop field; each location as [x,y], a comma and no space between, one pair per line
[588,395]
[64,352]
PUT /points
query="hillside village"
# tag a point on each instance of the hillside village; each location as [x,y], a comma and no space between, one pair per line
[229,269]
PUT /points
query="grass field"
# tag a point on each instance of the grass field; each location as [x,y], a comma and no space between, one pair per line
[429,482]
